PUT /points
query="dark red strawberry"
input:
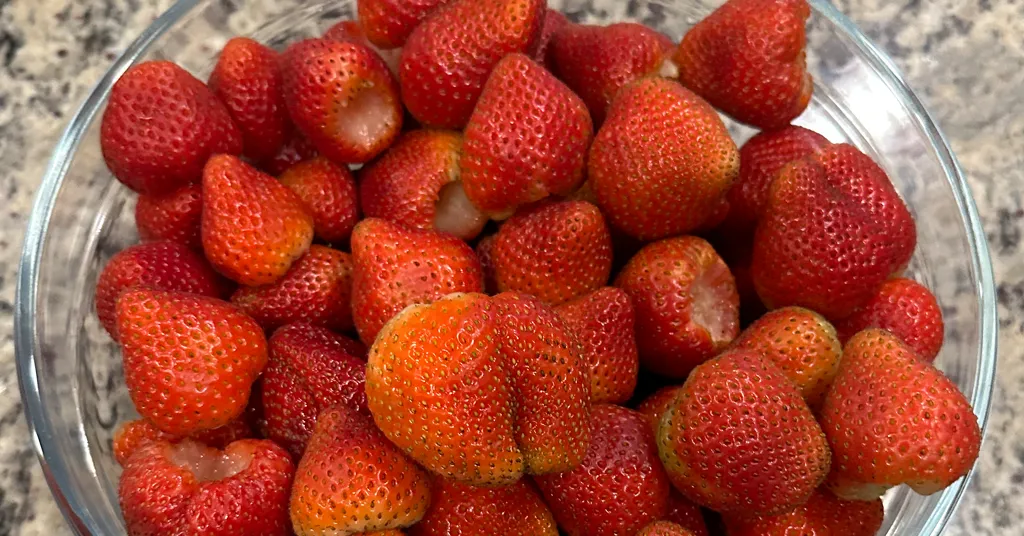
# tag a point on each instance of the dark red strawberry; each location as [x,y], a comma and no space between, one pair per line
[463,510]
[554,21]
[822,515]
[905,308]
[329,192]
[295,149]
[664,528]
[686,514]
[388,23]
[175,216]
[485,252]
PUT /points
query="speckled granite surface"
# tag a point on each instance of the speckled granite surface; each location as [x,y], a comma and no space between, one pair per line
[965,59]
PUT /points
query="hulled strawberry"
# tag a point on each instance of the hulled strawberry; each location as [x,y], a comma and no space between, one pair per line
[905,308]
[297,148]
[175,216]
[160,126]
[461,510]
[554,21]
[686,514]
[822,515]
[654,406]
[133,435]
[662,162]
[664,528]
[388,23]
[329,192]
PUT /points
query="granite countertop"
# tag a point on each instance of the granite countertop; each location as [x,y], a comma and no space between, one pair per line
[965,59]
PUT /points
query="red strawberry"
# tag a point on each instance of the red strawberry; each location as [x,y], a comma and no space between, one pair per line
[296,149]
[448,57]
[343,98]
[329,192]
[160,126]
[687,308]
[461,510]
[833,231]
[686,514]
[154,265]
[485,252]
[892,418]
[396,267]
[664,528]
[416,184]
[247,79]
[620,486]
[556,252]
[527,138]
[554,21]
[189,361]
[662,161]
[350,31]
[748,59]
[757,451]
[458,420]
[801,343]
[173,217]
[310,369]
[191,489]
[822,515]
[388,23]
[654,406]
[133,435]
[905,308]
[737,250]
[253,226]
[352,480]
[598,61]
[603,322]
[317,289]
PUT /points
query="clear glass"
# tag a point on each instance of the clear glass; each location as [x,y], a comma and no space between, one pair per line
[70,373]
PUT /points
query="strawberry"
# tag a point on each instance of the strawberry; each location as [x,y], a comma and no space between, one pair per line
[598,61]
[350,31]
[622,462]
[654,406]
[155,265]
[458,420]
[527,138]
[133,435]
[551,378]
[329,192]
[686,514]
[448,57]
[352,480]
[253,227]
[343,98]
[603,323]
[554,21]
[388,23]
[462,510]
[310,369]
[802,344]
[833,231]
[737,250]
[757,451]
[686,304]
[748,59]
[297,148]
[173,217]
[189,360]
[905,308]
[822,515]
[396,267]
[247,79]
[556,252]
[416,184]
[892,418]
[190,489]
[662,161]
[160,126]
[664,528]
[485,252]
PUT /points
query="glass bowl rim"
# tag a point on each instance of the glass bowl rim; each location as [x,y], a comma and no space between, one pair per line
[55,468]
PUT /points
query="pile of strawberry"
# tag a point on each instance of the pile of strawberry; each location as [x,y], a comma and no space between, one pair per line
[521,314]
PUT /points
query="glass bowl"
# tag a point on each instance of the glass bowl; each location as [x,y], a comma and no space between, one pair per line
[69,370]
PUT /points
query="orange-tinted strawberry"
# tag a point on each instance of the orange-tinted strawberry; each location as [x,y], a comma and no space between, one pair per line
[822,515]
[554,21]
[485,252]
[253,226]
[598,61]
[833,231]
[297,148]
[462,510]
[603,322]
[556,252]
[448,57]
[687,308]
[352,480]
[458,420]
[686,514]
[619,488]
[748,59]
[662,161]
[155,265]
[247,79]
[654,406]
[173,217]
[905,308]
[329,192]
[190,489]
[310,369]
[527,138]
[801,343]
[133,435]
[664,528]
[396,267]
[189,360]
[892,418]
[343,97]
[551,379]
[160,126]
[757,451]
[388,23]
[416,184]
